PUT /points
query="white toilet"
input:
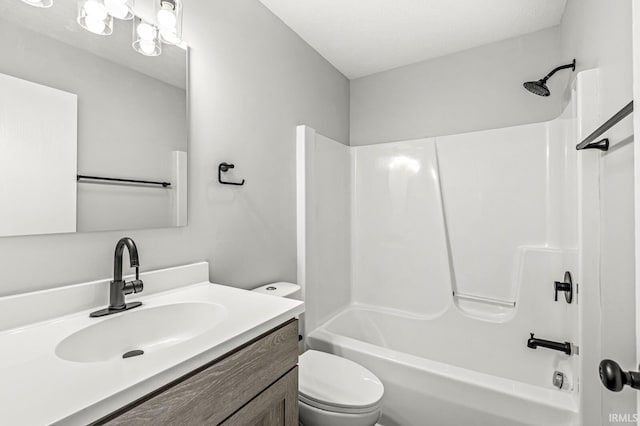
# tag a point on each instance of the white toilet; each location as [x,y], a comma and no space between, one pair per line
[333,391]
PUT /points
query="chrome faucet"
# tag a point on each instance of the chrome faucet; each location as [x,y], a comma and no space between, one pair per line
[118,287]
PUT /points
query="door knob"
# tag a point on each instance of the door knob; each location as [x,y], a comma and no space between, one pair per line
[614,378]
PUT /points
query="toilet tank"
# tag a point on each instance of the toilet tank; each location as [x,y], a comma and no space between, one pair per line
[280,289]
[291,291]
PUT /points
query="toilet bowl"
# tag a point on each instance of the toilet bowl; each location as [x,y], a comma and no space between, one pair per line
[335,391]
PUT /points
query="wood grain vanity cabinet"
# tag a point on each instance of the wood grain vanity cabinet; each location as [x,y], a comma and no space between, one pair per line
[256,384]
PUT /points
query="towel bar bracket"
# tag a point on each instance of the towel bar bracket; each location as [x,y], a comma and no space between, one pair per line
[602,145]
[615,119]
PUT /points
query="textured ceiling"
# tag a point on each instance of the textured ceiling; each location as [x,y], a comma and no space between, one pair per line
[362,37]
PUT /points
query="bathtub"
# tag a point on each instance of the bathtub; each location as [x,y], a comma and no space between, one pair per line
[452,370]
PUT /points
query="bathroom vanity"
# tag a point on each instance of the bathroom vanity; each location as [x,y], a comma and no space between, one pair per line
[202,354]
[255,384]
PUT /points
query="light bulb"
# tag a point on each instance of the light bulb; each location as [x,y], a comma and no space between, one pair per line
[119,9]
[93,17]
[169,36]
[145,31]
[95,25]
[146,39]
[95,10]
[167,15]
[147,46]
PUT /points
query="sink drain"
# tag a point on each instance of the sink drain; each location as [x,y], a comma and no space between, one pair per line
[130,354]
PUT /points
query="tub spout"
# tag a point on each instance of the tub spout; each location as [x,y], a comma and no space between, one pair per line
[534,342]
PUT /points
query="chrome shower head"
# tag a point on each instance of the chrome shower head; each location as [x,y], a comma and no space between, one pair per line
[540,87]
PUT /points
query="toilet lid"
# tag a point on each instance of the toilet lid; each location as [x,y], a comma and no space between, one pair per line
[337,384]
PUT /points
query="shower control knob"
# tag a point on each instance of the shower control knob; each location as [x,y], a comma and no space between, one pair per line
[566,286]
[614,378]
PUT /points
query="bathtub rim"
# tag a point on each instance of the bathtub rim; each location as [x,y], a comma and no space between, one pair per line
[558,399]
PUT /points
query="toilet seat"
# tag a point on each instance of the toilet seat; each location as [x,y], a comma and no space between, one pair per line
[332,383]
[338,409]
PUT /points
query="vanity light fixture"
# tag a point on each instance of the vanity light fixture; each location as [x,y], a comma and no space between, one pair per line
[39,3]
[93,17]
[146,38]
[152,26]
[120,9]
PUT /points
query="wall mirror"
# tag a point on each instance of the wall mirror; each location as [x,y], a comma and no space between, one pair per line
[76,106]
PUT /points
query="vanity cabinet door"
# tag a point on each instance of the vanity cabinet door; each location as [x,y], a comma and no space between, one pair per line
[275,406]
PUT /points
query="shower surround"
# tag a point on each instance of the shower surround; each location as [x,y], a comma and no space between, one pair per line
[431,261]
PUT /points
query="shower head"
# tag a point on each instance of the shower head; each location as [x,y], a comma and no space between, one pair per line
[540,87]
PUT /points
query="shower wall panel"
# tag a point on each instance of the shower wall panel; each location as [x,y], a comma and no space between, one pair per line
[399,248]
[449,214]
[436,216]
[496,198]
[324,246]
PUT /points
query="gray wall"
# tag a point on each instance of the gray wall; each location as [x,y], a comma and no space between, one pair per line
[252,81]
[476,89]
[598,33]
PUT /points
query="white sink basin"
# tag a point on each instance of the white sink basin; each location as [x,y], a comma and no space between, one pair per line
[147,329]
[54,353]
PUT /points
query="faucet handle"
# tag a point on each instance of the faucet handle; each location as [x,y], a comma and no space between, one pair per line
[565,286]
[138,286]
[135,286]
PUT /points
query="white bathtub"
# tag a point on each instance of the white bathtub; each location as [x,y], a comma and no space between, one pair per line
[450,375]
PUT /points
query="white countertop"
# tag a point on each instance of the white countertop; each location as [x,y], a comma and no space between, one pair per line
[40,388]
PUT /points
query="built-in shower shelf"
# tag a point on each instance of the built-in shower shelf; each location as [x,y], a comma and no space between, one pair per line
[485,308]
[489,300]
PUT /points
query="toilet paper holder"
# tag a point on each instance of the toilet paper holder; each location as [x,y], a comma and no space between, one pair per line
[223,168]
